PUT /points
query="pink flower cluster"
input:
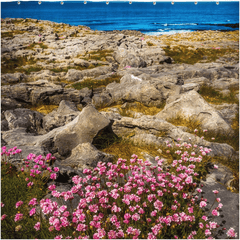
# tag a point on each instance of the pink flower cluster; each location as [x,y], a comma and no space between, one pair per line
[134,201]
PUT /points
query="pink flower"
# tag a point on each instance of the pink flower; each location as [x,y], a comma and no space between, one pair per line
[154,213]
[203,204]
[37,226]
[213,225]
[18,204]
[174,207]
[218,199]
[158,205]
[32,211]
[189,180]
[2,205]
[30,184]
[18,217]
[190,209]
[3,217]
[58,237]
[33,202]
[231,233]
[135,217]
[215,191]
[112,234]
[204,218]
[199,190]
[53,176]
[220,205]
[52,187]
[215,212]
[216,166]
[56,169]
[207,232]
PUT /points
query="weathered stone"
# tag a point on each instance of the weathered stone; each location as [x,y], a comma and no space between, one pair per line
[65,113]
[132,88]
[26,118]
[81,130]
[191,105]
[85,155]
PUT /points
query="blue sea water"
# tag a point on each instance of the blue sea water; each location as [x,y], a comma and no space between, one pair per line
[151,19]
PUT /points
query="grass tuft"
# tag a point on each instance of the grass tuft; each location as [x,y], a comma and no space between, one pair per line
[44,109]
[150,44]
[33,45]
[89,83]
[213,96]
[99,55]
[10,65]
[182,54]
[192,124]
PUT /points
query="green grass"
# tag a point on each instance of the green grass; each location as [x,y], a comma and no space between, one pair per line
[10,65]
[181,54]
[73,35]
[33,45]
[99,55]
[11,34]
[192,124]
[150,44]
[96,83]
[213,96]
[13,189]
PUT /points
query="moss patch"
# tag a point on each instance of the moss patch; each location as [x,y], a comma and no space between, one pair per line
[44,109]
[192,124]
[150,44]
[33,45]
[213,96]
[10,65]
[90,83]
[11,34]
[99,55]
[182,54]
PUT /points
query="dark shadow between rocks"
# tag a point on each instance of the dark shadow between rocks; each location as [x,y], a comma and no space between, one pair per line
[105,138]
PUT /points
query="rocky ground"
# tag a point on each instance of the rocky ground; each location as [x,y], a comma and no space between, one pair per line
[86,96]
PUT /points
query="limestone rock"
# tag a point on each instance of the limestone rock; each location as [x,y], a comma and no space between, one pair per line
[85,155]
[81,130]
[192,105]
[132,88]
[65,113]
[26,118]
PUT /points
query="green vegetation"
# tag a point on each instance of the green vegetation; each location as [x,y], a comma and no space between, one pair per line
[33,45]
[10,65]
[150,44]
[11,34]
[99,55]
[14,188]
[192,124]
[213,96]
[89,83]
[44,109]
[182,54]
[73,35]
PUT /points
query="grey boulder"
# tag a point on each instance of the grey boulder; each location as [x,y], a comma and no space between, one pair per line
[81,130]
[85,155]
[191,105]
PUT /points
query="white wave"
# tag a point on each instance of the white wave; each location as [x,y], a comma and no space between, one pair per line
[178,24]
[167,32]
